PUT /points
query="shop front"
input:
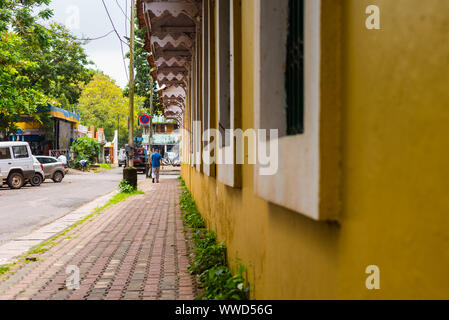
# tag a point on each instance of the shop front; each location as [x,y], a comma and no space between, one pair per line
[51,137]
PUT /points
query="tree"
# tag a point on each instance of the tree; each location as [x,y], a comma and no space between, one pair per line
[22,16]
[103,105]
[85,148]
[38,65]
[17,97]
[61,71]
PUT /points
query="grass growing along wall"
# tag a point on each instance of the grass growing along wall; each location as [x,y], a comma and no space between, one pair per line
[209,260]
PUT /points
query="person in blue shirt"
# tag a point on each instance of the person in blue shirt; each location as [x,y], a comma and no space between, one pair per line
[155,165]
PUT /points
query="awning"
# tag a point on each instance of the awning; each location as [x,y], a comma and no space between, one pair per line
[61,114]
[173,43]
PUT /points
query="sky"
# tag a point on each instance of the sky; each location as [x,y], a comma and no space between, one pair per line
[88,19]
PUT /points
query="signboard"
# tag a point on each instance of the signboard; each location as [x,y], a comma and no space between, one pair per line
[144,120]
[146,140]
[19,131]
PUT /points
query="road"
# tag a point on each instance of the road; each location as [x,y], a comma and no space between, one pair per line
[23,210]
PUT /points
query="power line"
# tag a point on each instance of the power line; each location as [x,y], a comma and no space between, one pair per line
[118,36]
[123,11]
[98,38]
[126,14]
[112,23]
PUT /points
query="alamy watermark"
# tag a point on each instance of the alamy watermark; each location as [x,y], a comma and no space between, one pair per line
[373,280]
[73,277]
[73,17]
[373,20]
[227,147]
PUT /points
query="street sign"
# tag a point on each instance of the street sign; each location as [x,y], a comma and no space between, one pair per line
[19,131]
[144,120]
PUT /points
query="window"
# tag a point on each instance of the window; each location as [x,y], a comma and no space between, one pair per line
[297,92]
[229,86]
[224,69]
[5,154]
[209,68]
[294,76]
[20,152]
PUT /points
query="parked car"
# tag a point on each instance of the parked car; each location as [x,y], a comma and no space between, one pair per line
[39,175]
[140,159]
[53,169]
[16,164]
[122,157]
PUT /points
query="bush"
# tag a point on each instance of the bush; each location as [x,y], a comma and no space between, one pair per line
[85,148]
[125,187]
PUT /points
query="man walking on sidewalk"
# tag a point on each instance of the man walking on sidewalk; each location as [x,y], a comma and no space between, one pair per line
[155,165]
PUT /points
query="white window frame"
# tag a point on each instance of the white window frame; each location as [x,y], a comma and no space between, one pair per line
[226,173]
[206,81]
[297,185]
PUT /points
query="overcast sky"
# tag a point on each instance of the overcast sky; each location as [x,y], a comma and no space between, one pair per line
[88,19]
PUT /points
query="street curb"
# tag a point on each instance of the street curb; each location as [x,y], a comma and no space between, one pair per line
[14,249]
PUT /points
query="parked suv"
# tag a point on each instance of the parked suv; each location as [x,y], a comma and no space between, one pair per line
[53,168]
[16,164]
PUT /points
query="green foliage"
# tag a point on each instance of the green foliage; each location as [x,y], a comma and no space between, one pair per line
[61,70]
[39,65]
[21,16]
[103,105]
[207,255]
[4,269]
[192,217]
[17,97]
[220,284]
[209,260]
[126,188]
[106,166]
[85,148]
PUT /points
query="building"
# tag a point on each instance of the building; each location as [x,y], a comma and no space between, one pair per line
[166,135]
[108,150]
[56,137]
[362,174]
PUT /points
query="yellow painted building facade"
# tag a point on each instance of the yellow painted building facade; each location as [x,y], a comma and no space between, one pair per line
[382,179]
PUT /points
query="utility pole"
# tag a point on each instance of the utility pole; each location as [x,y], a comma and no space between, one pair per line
[131,90]
[151,109]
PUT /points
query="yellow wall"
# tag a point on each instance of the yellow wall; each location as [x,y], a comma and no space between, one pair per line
[395,183]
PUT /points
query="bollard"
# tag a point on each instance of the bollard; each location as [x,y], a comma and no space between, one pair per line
[130,176]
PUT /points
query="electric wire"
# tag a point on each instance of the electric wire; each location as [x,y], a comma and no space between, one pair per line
[97,38]
[121,9]
[118,36]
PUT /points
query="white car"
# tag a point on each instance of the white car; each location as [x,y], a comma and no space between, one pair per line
[16,164]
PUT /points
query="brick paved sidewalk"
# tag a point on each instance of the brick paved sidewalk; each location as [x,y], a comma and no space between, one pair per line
[134,250]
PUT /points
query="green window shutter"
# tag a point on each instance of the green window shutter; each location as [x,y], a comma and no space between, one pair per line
[294,77]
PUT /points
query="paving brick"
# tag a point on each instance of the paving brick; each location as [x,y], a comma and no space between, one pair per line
[136,249]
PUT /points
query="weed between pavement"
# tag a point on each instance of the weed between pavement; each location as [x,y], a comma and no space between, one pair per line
[209,262]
